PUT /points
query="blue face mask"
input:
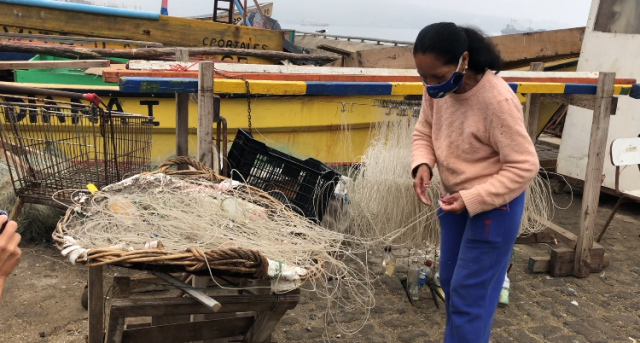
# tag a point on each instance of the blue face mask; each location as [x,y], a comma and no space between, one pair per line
[447,87]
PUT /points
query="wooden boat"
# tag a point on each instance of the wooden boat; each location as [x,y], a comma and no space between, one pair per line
[294,118]
[517,50]
[95,21]
[611,43]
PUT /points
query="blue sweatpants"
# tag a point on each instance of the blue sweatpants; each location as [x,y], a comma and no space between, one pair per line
[474,256]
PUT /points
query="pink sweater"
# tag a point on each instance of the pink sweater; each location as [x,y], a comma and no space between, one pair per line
[479,142]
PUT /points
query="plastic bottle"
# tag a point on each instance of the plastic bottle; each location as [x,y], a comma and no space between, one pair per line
[504,294]
[412,278]
[389,262]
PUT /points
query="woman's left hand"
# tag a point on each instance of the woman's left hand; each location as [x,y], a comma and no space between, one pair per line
[452,203]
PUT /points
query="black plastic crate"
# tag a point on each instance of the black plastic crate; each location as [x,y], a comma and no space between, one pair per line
[305,185]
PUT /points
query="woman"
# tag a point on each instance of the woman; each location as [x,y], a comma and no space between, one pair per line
[471,125]
[9,251]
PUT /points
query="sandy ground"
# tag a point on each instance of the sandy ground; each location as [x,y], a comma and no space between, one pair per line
[43,296]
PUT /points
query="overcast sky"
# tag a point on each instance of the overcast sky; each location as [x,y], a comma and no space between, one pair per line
[489,15]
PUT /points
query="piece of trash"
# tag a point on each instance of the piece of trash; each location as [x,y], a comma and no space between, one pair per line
[574,303]
[602,275]
[42,335]
[555,241]
[309,329]
[633,340]
[338,336]
[572,292]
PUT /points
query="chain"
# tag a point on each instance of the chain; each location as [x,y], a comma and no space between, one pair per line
[246,83]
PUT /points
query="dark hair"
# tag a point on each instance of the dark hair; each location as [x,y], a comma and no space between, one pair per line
[449,41]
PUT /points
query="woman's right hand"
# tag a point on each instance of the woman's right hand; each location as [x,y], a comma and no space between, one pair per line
[421,183]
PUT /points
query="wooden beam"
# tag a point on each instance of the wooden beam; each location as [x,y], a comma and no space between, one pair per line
[205,114]
[532,107]
[78,64]
[182,115]
[540,264]
[581,100]
[154,53]
[96,305]
[593,176]
[75,39]
[334,49]
[200,282]
[561,261]
[200,296]
[189,332]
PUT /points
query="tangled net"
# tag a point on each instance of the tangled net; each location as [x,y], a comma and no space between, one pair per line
[202,221]
[381,199]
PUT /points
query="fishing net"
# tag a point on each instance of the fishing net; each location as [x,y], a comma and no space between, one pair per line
[202,223]
[379,199]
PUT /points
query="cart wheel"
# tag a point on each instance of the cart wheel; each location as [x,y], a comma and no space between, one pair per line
[84,300]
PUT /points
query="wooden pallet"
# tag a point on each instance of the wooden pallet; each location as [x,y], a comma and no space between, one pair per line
[242,317]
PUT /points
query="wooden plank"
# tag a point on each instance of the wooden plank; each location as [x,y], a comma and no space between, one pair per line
[96,305]
[79,40]
[205,114]
[541,264]
[532,108]
[167,30]
[115,75]
[115,328]
[182,115]
[186,306]
[593,176]
[245,69]
[154,53]
[200,296]
[580,100]
[334,49]
[185,332]
[77,64]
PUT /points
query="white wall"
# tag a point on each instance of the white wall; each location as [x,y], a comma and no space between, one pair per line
[610,52]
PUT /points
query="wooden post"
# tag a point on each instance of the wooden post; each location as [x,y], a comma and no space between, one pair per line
[532,108]
[96,305]
[205,113]
[200,282]
[182,115]
[593,176]
[115,327]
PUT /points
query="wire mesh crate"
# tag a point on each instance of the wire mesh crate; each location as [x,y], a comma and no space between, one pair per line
[53,147]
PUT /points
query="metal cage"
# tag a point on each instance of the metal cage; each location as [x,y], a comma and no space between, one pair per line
[54,147]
